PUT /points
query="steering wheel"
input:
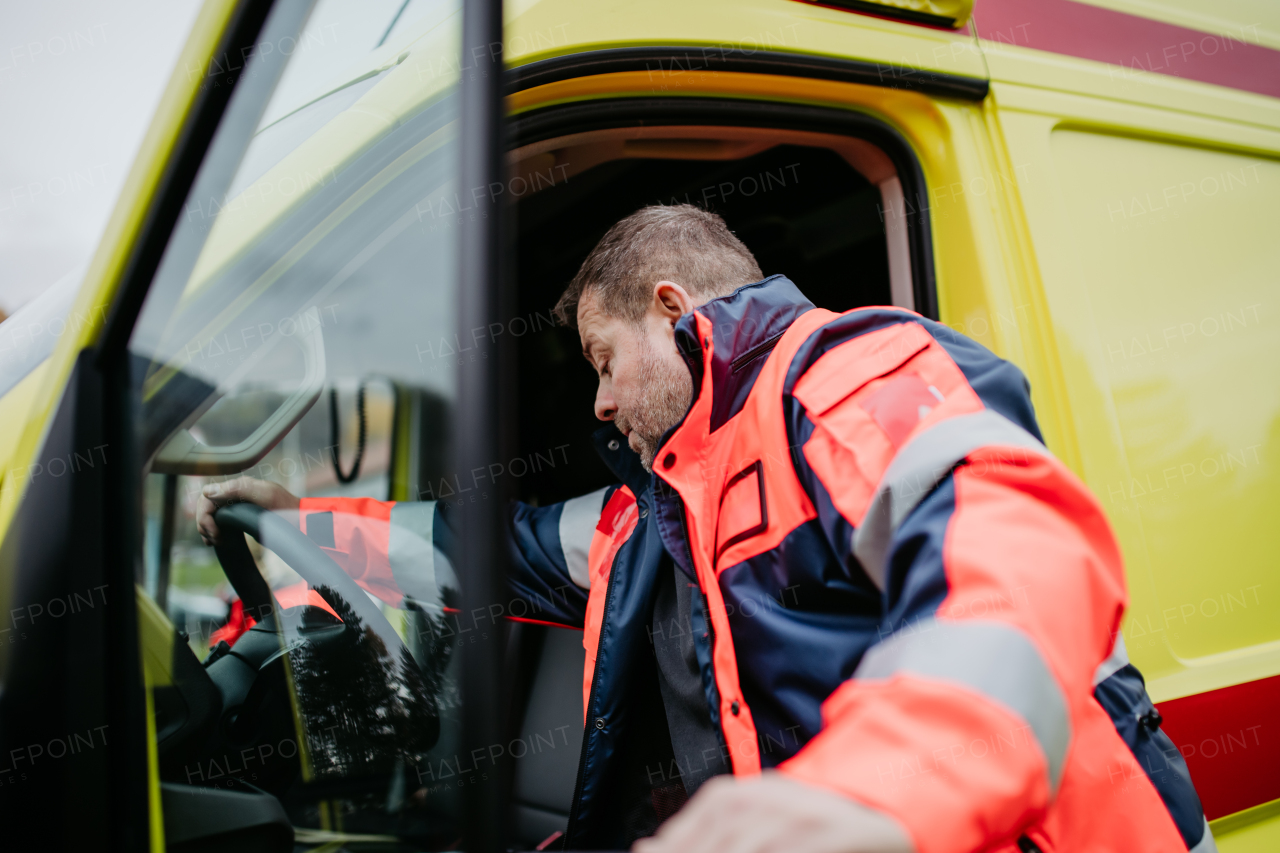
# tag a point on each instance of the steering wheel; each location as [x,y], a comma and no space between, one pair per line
[282,535]
[240,699]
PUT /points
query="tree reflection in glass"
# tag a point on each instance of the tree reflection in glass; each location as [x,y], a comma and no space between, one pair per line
[363,707]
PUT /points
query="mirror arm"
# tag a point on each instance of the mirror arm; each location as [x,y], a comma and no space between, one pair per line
[185,454]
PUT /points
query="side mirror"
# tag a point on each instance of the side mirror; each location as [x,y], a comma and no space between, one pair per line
[185,454]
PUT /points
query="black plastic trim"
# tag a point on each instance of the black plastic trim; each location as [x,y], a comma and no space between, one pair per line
[660,61]
[481,420]
[564,119]
[881,11]
[57,671]
[197,820]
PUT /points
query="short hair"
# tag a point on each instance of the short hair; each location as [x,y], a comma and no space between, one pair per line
[680,242]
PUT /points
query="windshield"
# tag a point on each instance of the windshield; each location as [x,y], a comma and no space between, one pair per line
[28,337]
[292,335]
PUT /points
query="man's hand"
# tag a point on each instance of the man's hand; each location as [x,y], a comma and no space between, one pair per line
[775,814]
[266,495]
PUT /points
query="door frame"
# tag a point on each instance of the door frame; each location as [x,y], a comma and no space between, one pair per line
[564,119]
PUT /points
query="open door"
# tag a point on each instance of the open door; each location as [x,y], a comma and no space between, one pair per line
[296,685]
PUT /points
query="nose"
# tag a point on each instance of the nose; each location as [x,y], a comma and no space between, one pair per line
[605,407]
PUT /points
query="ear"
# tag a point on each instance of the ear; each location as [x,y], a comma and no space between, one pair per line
[670,301]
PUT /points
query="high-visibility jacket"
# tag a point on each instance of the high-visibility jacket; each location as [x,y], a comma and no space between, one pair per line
[900,594]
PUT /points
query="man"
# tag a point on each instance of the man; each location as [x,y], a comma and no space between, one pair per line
[845,559]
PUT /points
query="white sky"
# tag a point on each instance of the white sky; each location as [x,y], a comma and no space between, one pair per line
[79,82]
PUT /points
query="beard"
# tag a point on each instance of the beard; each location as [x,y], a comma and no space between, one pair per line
[666,389]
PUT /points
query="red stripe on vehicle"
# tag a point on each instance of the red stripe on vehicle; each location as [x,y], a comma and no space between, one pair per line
[529,621]
[1135,43]
[1230,742]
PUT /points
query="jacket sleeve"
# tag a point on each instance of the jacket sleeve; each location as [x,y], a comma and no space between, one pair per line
[549,546]
[1002,593]
[398,550]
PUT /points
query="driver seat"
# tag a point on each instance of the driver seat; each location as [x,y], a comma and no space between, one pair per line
[546,767]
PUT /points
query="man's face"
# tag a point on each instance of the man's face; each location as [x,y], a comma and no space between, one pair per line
[645,387]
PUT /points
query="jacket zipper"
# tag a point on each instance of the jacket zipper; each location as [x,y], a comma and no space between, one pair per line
[755,352]
[688,552]
[588,725]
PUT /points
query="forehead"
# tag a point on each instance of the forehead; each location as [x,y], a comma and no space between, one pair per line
[588,309]
[595,327]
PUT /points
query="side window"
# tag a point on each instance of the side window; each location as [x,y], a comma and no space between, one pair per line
[340,448]
[1174,339]
[280,341]
[826,210]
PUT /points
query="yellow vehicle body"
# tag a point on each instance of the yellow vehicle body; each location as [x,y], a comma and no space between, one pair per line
[1109,231]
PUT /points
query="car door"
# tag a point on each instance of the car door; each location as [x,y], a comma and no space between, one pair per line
[266,317]
[1146,205]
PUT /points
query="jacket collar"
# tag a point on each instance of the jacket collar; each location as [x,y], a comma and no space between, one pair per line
[624,462]
[745,326]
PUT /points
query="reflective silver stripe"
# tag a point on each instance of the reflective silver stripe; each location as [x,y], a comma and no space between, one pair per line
[1207,844]
[421,570]
[578,520]
[920,465]
[996,660]
[1116,661]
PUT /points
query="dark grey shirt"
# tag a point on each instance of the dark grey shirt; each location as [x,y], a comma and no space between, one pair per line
[694,741]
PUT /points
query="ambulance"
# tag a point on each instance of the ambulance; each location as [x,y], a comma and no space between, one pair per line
[332,266]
